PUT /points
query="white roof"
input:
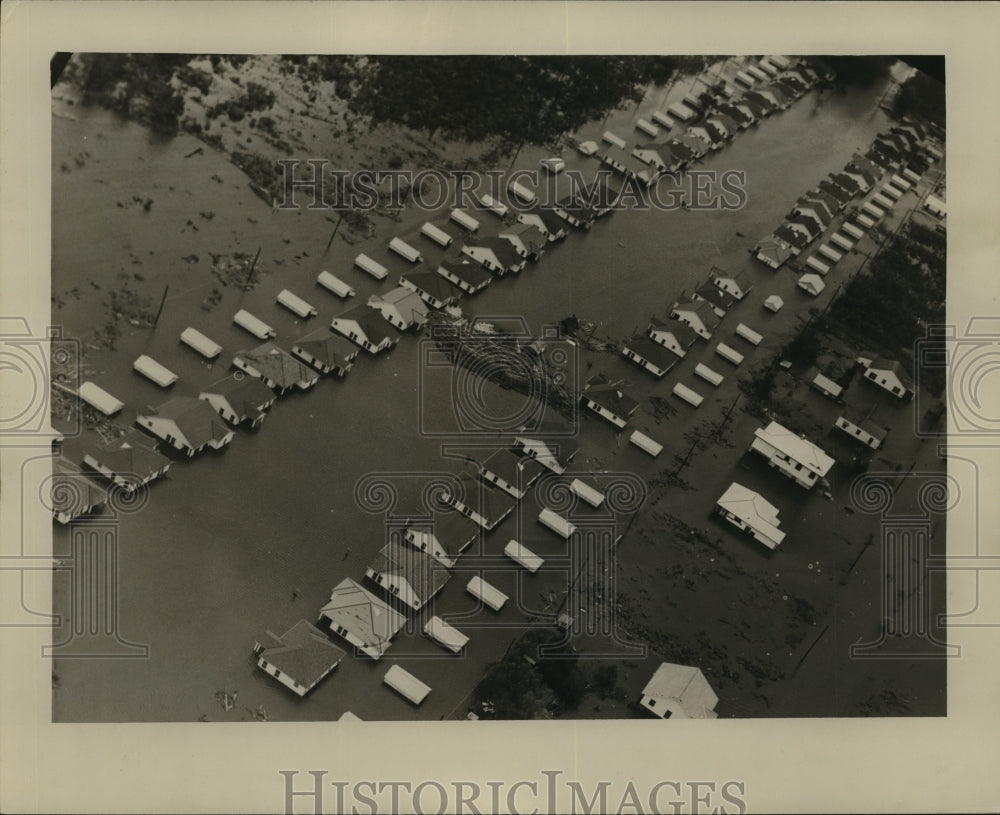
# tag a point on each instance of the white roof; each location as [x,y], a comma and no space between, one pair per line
[688,395]
[749,334]
[523,555]
[611,138]
[827,385]
[350,717]
[754,511]
[260,329]
[592,496]
[554,164]
[151,369]
[812,283]
[406,684]
[482,590]
[708,374]
[729,353]
[818,265]
[450,637]
[334,284]
[99,398]
[464,219]
[492,204]
[935,203]
[683,691]
[402,248]
[774,303]
[542,452]
[202,344]
[556,523]
[644,442]
[588,148]
[435,234]
[296,304]
[376,270]
[796,448]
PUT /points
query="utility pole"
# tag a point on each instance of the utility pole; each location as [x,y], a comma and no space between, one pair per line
[160,309]
[246,285]
[332,236]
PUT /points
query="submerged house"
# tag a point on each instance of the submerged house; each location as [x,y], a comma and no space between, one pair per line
[793,455]
[698,314]
[679,692]
[861,428]
[129,462]
[299,658]
[674,335]
[72,493]
[187,424]
[239,400]
[750,513]
[891,376]
[366,328]
[276,368]
[444,538]
[528,241]
[481,503]
[649,355]
[408,574]
[546,221]
[431,287]
[529,445]
[608,400]
[358,616]
[720,301]
[496,255]
[401,308]
[510,472]
[325,351]
[468,277]
[773,251]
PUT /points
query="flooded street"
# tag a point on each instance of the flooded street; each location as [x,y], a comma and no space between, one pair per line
[251,539]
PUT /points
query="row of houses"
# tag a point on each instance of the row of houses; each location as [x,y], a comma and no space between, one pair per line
[893,164]
[710,121]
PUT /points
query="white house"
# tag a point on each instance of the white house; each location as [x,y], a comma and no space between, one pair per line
[187,424]
[698,314]
[402,308]
[239,400]
[674,335]
[326,352]
[495,255]
[546,455]
[71,493]
[679,692]
[276,368]
[366,328]
[510,472]
[608,400]
[749,512]
[792,455]
[863,430]
[528,241]
[738,285]
[361,618]
[546,221]
[431,287]
[649,355]
[468,277]
[481,503]
[890,375]
[408,574]
[130,461]
[299,658]
[444,538]
[773,251]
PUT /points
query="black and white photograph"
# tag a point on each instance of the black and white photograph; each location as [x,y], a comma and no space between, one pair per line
[557,390]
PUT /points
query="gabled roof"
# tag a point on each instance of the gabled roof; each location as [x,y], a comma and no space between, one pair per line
[818,205]
[683,690]
[700,307]
[486,501]
[431,283]
[790,236]
[362,614]
[303,652]
[421,571]
[329,348]
[248,396]
[814,226]
[195,419]
[505,253]
[600,389]
[530,235]
[512,468]
[733,112]
[775,248]
[795,447]
[727,121]
[83,493]
[865,422]
[132,454]
[740,278]
[845,181]
[716,296]
[883,364]
[681,150]
[751,508]
[370,322]
[405,302]
[277,365]
[471,273]
[452,530]
[757,108]
[553,223]
[652,351]
[684,334]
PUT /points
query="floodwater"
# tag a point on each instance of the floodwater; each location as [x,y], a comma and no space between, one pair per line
[253,538]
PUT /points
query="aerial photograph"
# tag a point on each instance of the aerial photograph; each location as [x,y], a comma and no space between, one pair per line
[474,388]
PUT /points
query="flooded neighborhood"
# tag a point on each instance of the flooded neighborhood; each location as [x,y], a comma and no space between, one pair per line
[379,407]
